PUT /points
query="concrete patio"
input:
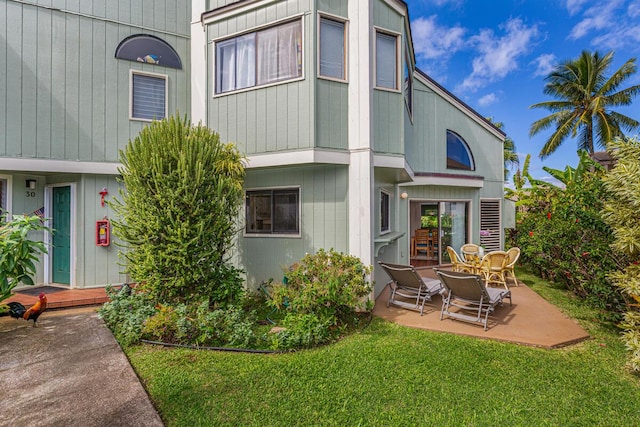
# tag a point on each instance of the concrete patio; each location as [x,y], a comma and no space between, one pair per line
[530,320]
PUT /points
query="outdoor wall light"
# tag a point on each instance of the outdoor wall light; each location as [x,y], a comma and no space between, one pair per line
[404,195]
[31,184]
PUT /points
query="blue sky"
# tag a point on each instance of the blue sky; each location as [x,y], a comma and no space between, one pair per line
[495,54]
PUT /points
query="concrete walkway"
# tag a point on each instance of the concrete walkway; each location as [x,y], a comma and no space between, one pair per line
[68,372]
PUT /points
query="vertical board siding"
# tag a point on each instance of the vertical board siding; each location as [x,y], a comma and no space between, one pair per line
[332,114]
[323,195]
[99,264]
[272,118]
[67,96]
[433,116]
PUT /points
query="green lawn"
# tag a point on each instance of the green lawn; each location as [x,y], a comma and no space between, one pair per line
[389,375]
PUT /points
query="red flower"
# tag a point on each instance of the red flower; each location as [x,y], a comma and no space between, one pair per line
[548,215]
[531,233]
[577,219]
[585,253]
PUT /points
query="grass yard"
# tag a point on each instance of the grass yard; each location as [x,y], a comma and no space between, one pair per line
[389,375]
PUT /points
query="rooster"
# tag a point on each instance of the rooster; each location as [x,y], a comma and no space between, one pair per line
[17,310]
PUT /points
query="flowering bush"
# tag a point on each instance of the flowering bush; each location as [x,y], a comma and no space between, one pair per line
[563,238]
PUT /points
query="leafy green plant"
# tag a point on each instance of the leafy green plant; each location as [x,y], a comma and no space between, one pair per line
[223,327]
[621,213]
[301,331]
[564,238]
[329,285]
[19,252]
[177,214]
[125,313]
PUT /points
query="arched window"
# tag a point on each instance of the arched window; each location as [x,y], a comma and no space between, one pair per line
[459,155]
[148,49]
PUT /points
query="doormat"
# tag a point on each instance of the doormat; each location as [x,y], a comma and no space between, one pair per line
[36,291]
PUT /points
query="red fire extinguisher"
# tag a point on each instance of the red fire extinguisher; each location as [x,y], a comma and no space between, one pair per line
[103,232]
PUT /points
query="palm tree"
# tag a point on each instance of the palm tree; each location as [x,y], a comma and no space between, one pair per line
[584,98]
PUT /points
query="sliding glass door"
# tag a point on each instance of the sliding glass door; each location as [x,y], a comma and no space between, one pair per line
[446,224]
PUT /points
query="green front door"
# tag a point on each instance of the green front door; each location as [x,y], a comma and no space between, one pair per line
[61,250]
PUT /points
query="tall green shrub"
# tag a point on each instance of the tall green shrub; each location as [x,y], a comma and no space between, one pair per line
[622,212]
[564,238]
[177,212]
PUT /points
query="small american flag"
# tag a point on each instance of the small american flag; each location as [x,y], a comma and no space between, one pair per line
[39,212]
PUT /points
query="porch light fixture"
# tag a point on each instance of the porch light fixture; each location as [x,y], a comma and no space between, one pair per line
[31,184]
[404,195]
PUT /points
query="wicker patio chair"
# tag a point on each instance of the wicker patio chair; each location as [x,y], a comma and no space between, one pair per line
[509,269]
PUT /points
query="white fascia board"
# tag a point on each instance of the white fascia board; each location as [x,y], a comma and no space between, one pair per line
[61,166]
[389,161]
[198,65]
[399,7]
[460,106]
[289,158]
[241,8]
[447,181]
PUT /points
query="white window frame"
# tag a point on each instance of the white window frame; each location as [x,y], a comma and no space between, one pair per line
[408,95]
[166,93]
[384,193]
[8,179]
[273,24]
[465,145]
[345,64]
[272,234]
[399,74]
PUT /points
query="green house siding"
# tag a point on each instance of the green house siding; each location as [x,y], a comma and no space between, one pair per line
[74,94]
[433,116]
[277,117]
[332,114]
[323,219]
[99,264]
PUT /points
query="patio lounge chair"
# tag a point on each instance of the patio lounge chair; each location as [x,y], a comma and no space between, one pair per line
[407,284]
[467,292]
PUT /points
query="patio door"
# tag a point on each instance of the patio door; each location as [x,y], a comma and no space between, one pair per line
[447,224]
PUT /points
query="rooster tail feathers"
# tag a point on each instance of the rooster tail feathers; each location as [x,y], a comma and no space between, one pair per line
[16,310]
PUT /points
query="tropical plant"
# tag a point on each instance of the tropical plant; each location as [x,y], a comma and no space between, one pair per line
[509,151]
[177,214]
[585,96]
[621,212]
[19,252]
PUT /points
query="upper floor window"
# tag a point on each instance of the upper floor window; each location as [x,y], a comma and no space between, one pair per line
[332,49]
[408,82]
[385,212]
[459,155]
[148,49]
[386,60]
[148,96]
[274,211]
[266,56]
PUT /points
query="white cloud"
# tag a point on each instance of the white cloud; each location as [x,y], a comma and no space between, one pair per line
[613,25]
[498,55]
[431,41]
[544,64]
[488,99]
[574,6]
[596,18]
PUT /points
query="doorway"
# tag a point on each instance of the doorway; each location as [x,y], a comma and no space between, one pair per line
[444,223]
[61,239]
